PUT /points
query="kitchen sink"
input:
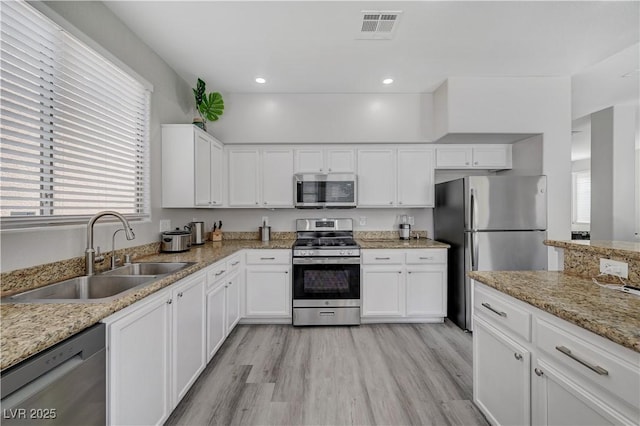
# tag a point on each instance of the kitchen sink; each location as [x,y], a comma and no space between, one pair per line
[93,288]
[102,287]
[149,268]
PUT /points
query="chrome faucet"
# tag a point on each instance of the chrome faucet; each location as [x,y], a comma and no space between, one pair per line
[90,253]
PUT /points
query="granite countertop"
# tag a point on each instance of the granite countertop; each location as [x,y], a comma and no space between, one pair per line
[29,328]
[604,248]
[609,313]
[421,243]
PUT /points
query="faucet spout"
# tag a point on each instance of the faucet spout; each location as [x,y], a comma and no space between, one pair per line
[90,252]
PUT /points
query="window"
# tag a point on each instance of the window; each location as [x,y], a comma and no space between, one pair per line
[74,127]
[581,205]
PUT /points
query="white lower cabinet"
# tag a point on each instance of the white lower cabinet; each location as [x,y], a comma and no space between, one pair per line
[223,302]
[268,285]
[530,367]
[404,285]
[155,351]
[500,376]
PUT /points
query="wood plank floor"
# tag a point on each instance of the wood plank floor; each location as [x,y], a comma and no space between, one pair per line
[383,374]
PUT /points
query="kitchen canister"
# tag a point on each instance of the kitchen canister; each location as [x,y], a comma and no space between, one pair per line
[265,233]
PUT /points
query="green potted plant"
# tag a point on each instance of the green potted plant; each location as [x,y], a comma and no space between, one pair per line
[210,106]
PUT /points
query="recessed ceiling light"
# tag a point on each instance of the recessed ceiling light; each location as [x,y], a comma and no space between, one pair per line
[260,80]
[387,81]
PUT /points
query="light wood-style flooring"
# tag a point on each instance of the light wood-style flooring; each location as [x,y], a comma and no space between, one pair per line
[383,374]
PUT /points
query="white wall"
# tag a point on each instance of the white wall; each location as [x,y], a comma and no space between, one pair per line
[324,118]
[170,102]
[526,157]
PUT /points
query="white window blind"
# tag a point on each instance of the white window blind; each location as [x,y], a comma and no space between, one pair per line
[582,197]
[74,127]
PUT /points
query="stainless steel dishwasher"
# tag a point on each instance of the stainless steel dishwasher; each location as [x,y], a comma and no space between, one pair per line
[62,385]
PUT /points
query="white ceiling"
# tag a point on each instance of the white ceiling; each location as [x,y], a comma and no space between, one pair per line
[311,46]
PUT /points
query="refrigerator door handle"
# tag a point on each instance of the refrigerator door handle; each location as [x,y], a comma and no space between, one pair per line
[473,209]
[473,248]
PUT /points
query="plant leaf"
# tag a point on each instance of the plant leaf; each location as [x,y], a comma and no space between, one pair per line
[212,106]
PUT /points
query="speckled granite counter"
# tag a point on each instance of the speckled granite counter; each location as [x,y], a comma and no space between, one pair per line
[30,328]
[609,313]
[422,243]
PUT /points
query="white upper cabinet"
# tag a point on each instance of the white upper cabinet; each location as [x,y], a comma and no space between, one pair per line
[324,160]
[192,167]
[277,178]
[243,177]
[395,177]
[415,177]
[473,157]
[376,177]
[260,177]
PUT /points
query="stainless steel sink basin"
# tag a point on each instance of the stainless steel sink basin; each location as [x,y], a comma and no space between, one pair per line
[94,288]
[149,268]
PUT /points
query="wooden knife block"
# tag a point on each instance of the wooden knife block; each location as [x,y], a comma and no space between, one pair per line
[216,235]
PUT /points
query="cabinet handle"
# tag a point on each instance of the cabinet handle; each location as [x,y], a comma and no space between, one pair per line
[601,371]
[426,258]
[286,272]
[327,314]
[399,272]
[383,258]
[518,356]
[399,202]
[170,301]
[539,373]
[267,258]
[235,263]
[257,203]
[265,203]
[329,168]
[390,202]
[466,164]
[475,162]
[180,294]
[220,273]
[488,306]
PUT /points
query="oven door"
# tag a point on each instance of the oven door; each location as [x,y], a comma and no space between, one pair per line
[318,280]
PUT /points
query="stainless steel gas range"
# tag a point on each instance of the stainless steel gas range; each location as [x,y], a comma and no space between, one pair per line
[326,273]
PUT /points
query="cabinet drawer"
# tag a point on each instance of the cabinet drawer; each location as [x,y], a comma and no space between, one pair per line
[426,256]
[383,257]
[503,313]
[233,263]
[269,257]
[591,361]
[216,272]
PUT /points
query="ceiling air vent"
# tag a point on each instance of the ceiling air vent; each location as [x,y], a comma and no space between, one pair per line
[378,24]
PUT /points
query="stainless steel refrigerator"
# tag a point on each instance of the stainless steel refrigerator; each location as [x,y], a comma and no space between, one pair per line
[493,223]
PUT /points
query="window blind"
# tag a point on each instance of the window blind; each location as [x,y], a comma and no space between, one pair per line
[582,197]
[74,127]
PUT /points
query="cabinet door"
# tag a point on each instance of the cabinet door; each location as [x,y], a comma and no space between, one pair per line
[268,291]
[454,157]
[243,178]
[138,365]
[202,170]
[232,302]
[277,178]
[340,160]
[189,337]
[216,315]
[426,292]
[557,400]
[415,177]
[488,157]
[376,177]
[501,377]
[382,291]
[217,174]
[309,160]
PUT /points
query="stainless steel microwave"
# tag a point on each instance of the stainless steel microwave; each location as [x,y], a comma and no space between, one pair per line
[317,191]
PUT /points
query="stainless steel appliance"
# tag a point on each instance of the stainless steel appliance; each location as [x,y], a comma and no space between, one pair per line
[175,241]
[63,385]
[316,191]
[326,273]
[196,229]
[492,223]
[404,232]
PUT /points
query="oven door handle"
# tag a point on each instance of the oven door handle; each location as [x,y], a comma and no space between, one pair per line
[326,260]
